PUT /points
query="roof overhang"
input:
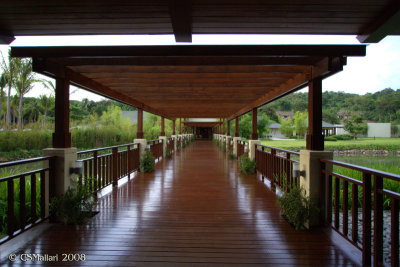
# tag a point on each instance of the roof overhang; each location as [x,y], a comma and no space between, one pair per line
[213,81]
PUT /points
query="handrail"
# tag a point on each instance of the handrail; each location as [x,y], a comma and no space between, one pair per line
[24,161]
[105,148]
[389,175]
[279,149]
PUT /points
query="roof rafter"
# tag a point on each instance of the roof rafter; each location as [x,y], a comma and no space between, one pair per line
[181,19]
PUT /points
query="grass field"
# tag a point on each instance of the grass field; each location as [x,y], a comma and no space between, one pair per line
[391,144]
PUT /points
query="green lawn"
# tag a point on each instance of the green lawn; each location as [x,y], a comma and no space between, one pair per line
[360,143]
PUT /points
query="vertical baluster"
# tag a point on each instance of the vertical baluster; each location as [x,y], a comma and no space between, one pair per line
[289,178]
[22,202]
[337,198]
[42,194]
[329,199]
[95,171]
[354,212]
[86,171]
[33,198]
[273,165]
[115,166]
[91,177]
[10,208]
[129,163]
[394,232]
[99,179]
[366,213]
[345,206]
[378,220]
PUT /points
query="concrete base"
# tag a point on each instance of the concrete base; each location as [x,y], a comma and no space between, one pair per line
[174,137]
[235,140]
[309,162]
[66,159]
[142,146]
[228,140]
[252,148]
[164,139]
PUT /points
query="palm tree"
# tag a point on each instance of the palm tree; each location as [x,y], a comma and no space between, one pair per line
[3,84]
[46,103]
[24,81]
[9,69]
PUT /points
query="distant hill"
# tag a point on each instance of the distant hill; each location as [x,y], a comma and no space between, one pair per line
[382,106]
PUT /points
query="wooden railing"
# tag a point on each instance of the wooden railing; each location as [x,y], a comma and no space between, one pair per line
[276,165]
[22,213]
[156,148]
[336,193]
[240,147]
[170,144]
[106,165]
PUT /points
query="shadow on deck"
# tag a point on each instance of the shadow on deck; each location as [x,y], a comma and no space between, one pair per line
[195,209]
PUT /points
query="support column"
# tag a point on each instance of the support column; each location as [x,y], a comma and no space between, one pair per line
[139,135]
[223,127]
[61,135]
[162,126]
[237,127]
[228,136]
[173,128]
[254,135]
[66,155]
[315,139]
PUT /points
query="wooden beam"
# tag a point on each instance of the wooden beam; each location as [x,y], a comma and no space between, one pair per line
[139,134]
[237,126]
[181,18]
[297,82]
[61,135]
[88,84]
[6,39]
[190,50]
[315,139]
[387,23]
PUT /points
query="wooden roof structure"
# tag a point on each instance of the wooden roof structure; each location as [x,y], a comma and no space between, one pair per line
[371,20]
[192,81]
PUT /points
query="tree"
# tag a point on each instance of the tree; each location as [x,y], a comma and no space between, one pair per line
[300,123]
[245,125]
[46,103]
[9,70]
[271,112]
[262,124]
[24,81]
[3,84]
[286,126]
[355,125]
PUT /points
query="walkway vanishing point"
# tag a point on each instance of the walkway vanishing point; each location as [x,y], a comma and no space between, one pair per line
[196,209]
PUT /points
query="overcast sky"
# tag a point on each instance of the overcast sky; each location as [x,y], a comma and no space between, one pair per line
[380,69]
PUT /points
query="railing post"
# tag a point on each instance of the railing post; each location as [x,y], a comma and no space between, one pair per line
[115,166]
[94,171]
[129,161]
[273,169]
[378,220]
[366,216]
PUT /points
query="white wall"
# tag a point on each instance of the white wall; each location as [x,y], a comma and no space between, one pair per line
[379,130]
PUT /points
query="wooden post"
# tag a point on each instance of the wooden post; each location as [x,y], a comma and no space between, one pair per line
[229,126]
[139,134]
[61,135]
[237,127]
[254,135]
[315,139]
[173,128]
[162,126]
[115,166]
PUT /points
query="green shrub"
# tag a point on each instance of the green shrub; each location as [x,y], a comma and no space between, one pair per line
[297,208]
[169,154]
[246,165]
[342,137]
[330,138]
[74,207]
[147,162]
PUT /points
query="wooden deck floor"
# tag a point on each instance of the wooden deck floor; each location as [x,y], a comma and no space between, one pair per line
[195,209]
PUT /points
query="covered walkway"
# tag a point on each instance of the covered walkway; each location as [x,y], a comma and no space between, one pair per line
[195,209]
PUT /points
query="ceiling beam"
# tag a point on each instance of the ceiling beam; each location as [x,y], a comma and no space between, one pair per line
[387,23]
[181,19]
[6,39]
[191,50]
[296,82]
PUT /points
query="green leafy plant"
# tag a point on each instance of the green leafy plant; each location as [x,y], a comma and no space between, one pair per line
[246,165]
[169,154]
[74,207]
[297,208]
[147,162]
[330,138]
[230,154]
